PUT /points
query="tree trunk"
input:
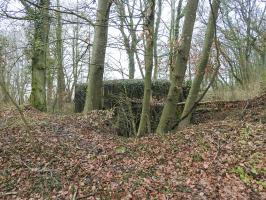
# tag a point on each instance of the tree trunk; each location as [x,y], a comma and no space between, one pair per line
[171,37]
[195,88]
[169,114]
[59,61]
[149,31]
[3,95]
[131,64]
[39,57]
[174,34]
[94,89]
[157,25]
[264,51]
[75,60]
[130,45]
[50,85]
[179,15]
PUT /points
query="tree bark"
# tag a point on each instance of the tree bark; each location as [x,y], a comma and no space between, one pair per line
[50,86]
[169,114]
[59,61]
[174,34]
[149,31]
[75,58]
[200,71]
[39,57]
[156,30]
[130,41]
[264,51]
[3,95]
[94,89]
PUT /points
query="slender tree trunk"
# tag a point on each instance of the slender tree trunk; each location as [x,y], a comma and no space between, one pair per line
[174,34]
[131,64]
[130,45]
[134,43]
[195,88]
[149,30]
[3,95]
[171,38]
[156,30]
[59,61]
[169,114]
[264,52]
[39,58]
[94,89]
[75,56]
[50,85]
[178,18]
[139,64]
[75,60]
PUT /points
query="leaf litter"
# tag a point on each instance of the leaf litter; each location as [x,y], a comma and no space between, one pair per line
[79,157]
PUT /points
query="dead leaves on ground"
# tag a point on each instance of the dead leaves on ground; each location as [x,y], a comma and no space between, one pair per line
[64,157]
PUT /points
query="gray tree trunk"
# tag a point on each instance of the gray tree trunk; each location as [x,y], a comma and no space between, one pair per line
[169,114]
[264,52]
[59,61]
[50,72]
[130,41]
[3,95]
[94,89]
[174,34]
[195,88]
[157,25]
[149,31]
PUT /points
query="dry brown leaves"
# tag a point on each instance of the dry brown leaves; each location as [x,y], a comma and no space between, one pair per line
[64,157]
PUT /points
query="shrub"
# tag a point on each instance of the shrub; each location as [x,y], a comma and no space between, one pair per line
[134,89]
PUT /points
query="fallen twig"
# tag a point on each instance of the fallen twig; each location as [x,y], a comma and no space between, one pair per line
[7,194]
[74,197]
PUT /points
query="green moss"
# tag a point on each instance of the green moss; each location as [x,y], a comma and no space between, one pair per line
[196,157]
[121,149]
[166,190]
[262,183]
[251,176]
[240,171]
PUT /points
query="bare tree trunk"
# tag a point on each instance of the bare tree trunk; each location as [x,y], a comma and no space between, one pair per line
[182,49]
[39,57]
[195,88]
[130,41]
[179,15]
[130,54]
[75,60]
[59,61]
[94,89]
[264,52]
[171,37]
[4,89]
[50,85]
[157,25]
[174,34]
[149,31]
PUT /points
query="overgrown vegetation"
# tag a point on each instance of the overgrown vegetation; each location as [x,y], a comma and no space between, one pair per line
[119,90]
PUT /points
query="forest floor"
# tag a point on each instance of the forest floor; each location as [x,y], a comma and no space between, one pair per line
[76,157]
